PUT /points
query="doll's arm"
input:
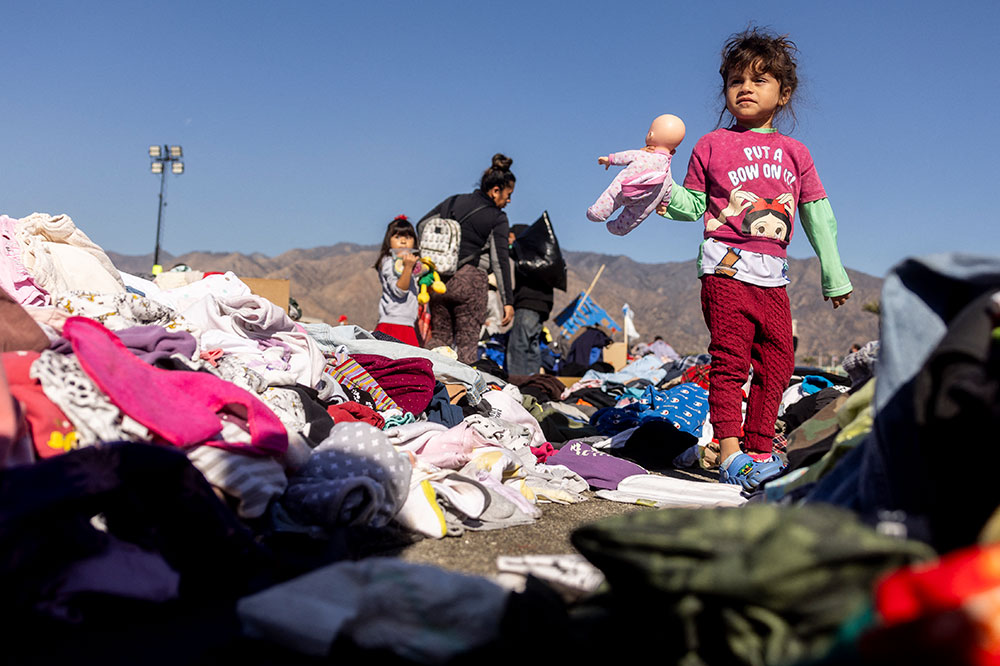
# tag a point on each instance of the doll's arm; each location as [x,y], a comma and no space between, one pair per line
[821,229]
[687,205]
[618,159]
[623,158]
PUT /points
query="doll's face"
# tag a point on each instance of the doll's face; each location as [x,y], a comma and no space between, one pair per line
[666,131]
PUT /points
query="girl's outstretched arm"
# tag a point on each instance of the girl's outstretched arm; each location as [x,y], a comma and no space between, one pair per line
[686,205]
[821,229]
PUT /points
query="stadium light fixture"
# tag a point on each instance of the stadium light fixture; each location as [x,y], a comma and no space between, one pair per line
[162,156]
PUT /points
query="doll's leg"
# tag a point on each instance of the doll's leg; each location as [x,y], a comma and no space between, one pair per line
[606,203]
[630,218]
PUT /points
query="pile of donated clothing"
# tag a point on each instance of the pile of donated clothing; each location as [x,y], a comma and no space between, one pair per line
[179,459]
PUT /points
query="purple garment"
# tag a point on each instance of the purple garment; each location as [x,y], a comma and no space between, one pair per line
[599,469]
[149,343]
[663,350]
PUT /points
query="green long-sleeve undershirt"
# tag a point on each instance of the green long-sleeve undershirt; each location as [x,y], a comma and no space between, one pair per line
[818,222]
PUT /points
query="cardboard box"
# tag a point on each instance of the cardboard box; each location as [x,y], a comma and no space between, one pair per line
[616,355]
[276,291]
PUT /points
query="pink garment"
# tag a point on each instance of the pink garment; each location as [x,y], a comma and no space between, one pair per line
[640,187]
[179,406]
[543,452]
[754,182]
[14,277]
[450,449]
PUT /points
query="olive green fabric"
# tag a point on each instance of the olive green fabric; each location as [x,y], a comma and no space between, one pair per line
[760,584]
[807,443]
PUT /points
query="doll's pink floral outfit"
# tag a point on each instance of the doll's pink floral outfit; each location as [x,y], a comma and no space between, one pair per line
[640,187]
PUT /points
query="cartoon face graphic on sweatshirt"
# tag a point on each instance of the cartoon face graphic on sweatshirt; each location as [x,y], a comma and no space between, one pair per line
[763,218]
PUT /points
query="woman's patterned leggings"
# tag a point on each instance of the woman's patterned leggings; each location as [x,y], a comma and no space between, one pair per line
[457,315]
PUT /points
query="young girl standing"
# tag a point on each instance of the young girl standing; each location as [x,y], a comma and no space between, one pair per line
[748,180]
[397,308]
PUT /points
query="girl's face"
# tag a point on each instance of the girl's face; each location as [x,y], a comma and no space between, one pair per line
[401,242]
[753,98]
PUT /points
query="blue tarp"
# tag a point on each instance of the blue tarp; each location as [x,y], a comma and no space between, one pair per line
[583,311]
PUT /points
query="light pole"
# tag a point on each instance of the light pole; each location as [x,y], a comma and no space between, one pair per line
[162,156]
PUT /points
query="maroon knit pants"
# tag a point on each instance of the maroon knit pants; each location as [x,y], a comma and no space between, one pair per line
[750,325]
[457,315]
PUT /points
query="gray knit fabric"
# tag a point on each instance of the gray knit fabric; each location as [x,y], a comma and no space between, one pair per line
[354,477]
[860,365]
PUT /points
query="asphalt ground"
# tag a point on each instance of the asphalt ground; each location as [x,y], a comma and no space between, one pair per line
[476,552]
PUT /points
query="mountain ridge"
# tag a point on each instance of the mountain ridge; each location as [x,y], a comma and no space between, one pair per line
[334,280]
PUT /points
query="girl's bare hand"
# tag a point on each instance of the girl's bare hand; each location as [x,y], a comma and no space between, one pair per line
[838,300]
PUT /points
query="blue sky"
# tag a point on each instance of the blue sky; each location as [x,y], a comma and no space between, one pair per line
[309,123]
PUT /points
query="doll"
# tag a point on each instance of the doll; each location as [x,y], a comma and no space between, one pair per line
[645,182]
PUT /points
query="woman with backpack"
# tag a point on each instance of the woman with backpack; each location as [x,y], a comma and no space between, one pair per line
[457,316]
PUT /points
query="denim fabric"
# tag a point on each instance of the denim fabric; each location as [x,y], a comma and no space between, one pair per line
[523,354]
[920,297]
[648,367]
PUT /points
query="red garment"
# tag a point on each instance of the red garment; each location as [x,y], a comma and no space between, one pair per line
[353,411]
[51,432]
[749,325]
[697,374]
[402,333]
[408,381]
[423,323]
[951,607]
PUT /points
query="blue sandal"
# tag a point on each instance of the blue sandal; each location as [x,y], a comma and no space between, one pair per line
[741,469]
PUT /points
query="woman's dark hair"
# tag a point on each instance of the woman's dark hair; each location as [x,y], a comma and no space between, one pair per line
[763,52]
[498,175]
[400,226]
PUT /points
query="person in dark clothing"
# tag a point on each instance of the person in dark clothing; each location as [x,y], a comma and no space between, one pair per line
[457,316]
[582,350]
[533,298]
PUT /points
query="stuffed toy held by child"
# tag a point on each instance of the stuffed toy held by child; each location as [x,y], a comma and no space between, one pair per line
[426,276]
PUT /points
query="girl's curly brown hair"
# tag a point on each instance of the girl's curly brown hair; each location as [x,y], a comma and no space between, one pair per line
[763,52]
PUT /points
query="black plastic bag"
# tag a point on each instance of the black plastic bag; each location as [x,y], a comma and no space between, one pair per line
[536,254]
